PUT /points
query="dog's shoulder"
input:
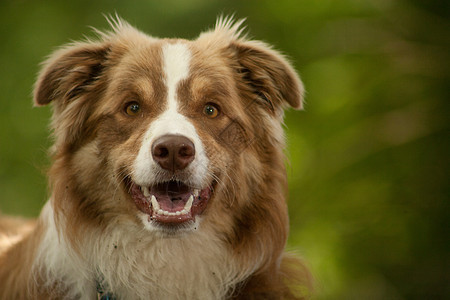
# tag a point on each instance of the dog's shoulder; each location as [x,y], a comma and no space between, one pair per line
[13,229]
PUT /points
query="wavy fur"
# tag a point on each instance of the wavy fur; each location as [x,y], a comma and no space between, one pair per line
[90,232]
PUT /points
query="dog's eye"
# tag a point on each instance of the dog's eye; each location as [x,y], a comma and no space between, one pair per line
[132,108]
[211,111]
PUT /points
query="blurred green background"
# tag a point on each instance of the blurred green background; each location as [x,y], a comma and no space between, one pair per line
[368,158]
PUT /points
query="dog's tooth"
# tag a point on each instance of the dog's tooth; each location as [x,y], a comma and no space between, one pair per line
[155,203]
[196,193]
[166,213]
[178,213]
[145,191]
[183,212]
[188,205]
[160,212]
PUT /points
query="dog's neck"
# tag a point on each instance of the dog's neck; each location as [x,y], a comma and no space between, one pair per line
[197,266]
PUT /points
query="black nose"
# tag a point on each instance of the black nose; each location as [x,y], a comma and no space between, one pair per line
[173,152]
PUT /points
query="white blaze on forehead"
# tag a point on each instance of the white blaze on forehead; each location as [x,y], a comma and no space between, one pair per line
[176,64]
[176,59]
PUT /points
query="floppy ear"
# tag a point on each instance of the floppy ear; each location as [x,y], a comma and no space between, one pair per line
[69,72]
[270,75]
[70,78]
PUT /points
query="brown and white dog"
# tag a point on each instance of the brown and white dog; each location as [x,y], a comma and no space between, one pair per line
[168,180]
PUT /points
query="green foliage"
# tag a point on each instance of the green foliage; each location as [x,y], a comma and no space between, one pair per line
[368,170]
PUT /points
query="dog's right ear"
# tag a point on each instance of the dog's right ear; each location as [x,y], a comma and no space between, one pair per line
[69,72]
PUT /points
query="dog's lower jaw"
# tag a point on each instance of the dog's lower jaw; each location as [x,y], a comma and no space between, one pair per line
[172,231]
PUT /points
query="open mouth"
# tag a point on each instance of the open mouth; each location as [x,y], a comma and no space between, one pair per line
[171,202]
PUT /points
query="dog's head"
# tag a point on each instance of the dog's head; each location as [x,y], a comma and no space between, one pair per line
[169,132]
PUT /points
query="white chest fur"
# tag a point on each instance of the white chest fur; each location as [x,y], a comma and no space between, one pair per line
[137,264]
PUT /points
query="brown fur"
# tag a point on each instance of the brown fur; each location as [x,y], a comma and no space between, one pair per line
[95,145]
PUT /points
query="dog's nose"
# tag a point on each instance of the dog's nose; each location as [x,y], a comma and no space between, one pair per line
[173,152]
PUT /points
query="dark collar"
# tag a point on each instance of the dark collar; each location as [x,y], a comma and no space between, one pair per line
[102,294]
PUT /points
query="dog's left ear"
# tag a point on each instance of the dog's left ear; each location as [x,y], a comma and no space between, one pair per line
[69,71]
[269,73]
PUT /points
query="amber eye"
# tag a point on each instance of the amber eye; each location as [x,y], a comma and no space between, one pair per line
[211,111]
[132,108]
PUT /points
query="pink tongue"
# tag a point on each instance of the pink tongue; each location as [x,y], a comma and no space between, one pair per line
[171,196]
[165,203]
